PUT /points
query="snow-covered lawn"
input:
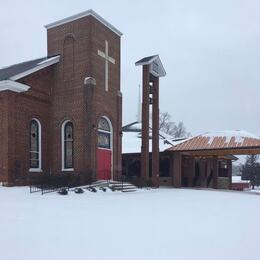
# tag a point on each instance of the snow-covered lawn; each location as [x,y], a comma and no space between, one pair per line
[148,224]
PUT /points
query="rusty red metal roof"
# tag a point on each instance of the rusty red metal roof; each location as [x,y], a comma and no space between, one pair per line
[219,140]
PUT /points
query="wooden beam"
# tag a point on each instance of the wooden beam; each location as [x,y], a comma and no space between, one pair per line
[229,167]
[155,133]
[145,124]
[215,172]
[222,152]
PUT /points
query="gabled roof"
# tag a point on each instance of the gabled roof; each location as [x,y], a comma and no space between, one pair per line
[89,12]
[219,140]
[155,59]
[146,60]
[17,71]
[132,127]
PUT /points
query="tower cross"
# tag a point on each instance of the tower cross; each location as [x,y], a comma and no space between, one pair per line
[107,59]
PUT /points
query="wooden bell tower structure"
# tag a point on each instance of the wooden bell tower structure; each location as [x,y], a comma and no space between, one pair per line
[152,71]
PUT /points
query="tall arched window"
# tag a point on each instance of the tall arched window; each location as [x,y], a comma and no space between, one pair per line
[35,145]
[67,146]
[105,150]
[104,133]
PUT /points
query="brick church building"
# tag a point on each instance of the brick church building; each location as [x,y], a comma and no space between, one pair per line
[63,113]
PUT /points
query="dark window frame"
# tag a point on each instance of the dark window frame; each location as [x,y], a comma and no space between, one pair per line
[37,150]
[105,132]
[66,143]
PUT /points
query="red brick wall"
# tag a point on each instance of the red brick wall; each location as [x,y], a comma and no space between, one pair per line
[68,101]
[108,103]
[4,167]
[35,103]
[58,93]
[240,186]
[19,109]
[70,96]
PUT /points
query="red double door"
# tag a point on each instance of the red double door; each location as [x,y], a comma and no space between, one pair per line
[104,164]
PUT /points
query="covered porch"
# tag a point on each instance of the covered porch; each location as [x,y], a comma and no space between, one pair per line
[206,160]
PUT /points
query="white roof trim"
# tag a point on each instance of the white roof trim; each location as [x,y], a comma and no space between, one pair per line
[13,86]
[147,62]
[156,58]
[40,65]
[81,15]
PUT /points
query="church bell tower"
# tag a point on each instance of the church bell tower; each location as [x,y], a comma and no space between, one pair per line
[152,71]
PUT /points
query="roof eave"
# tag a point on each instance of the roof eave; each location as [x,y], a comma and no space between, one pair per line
[173,149]
[13,86]
[40,66]
[162,72]
[141,63]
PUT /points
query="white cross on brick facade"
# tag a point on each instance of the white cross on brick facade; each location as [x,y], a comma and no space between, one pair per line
[107,60]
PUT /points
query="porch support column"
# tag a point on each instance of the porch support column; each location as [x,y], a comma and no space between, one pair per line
[191,171]
[215,172]
[177,170]
[229,168]
[118,162]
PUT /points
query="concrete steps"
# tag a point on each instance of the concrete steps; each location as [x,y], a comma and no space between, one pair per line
[115,185]
[124,187]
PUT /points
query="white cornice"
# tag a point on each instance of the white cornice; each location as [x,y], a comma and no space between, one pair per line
[81,15]
[155,58]
[147,62]
[39,66]
[13,86]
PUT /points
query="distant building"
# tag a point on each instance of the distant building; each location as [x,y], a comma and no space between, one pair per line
[239,184]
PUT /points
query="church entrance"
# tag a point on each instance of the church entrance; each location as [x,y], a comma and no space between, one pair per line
[104,150]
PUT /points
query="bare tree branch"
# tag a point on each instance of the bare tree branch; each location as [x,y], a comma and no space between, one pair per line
[169,127]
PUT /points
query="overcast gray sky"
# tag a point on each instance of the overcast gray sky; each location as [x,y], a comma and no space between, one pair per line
[210,50]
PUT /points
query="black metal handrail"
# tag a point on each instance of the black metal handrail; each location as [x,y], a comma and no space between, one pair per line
[46,183]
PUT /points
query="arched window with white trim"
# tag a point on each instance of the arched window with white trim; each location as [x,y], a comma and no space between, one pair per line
[67,146]
[104,133]
[35,145]
[105,149]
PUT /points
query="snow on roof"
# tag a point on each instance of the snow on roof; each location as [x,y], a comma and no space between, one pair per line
[158,70]
[48,60]
[17,71]
[133,127]
[132,139]
[220,140]
[239,135]
[89,12]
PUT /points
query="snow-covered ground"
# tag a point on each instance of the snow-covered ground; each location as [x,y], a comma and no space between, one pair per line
[148,224]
